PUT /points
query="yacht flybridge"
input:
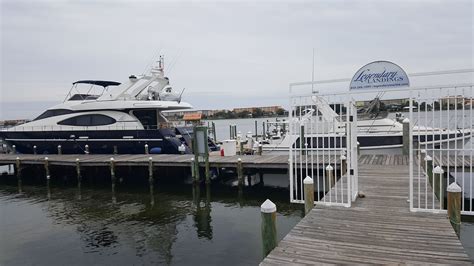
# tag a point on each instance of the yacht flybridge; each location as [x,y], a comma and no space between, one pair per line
[121,117]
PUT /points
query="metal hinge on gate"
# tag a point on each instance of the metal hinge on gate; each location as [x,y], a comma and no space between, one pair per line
[351,172]
[351,118]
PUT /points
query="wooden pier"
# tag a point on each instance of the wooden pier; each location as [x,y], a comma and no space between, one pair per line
[378,228]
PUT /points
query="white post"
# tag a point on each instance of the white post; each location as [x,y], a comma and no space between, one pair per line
[308,194]
[269,233]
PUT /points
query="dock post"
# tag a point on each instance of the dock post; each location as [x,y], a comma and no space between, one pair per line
[115,149]
[358,149]
[454,206]
[256,132]
[18,173]
[406,136]
[14,149]
[329,177]
[269,232]
[429,168]
[151,181]
[230,132]
[343,165]
[48,176]
[260,149]
[240,172]
[86,149]
[34,150]
[308,194]
[59,150]
[421,158]
[207,169]
[46,168]
[241,144]
[79,178]
[214,134]
[146,149]
[438,174]
[193,174]
[112,177]
[264,134]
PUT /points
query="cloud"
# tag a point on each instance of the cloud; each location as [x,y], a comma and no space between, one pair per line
[232,50]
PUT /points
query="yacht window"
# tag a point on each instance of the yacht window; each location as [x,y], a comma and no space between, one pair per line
[88,120]
[55,112]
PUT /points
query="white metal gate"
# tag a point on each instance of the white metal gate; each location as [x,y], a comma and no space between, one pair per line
[323,129]
[441,151]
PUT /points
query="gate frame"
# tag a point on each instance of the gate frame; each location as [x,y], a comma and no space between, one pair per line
[351,147]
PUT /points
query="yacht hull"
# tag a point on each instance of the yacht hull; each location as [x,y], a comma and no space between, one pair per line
[98,141]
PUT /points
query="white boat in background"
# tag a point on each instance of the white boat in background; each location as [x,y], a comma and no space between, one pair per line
[372,133]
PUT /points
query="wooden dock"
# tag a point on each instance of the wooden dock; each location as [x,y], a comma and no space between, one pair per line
[377,229]
[163,160]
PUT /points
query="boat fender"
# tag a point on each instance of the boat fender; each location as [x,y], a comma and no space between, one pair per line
[155,150]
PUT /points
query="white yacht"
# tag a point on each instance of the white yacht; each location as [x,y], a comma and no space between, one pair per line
[122,118]
[374,131]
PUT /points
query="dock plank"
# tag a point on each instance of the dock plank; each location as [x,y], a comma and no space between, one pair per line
[377,229]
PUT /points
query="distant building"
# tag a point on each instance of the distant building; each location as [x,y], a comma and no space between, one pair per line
[266,109]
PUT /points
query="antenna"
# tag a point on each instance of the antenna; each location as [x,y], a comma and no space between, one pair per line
[312,76]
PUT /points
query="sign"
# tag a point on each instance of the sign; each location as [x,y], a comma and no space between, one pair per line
[379,74]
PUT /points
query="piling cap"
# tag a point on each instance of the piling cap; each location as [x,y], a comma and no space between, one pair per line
[438,170]
[18,158]
[239,160]
[146,145]
[112,159]
[329,168]
[308,180]
[59,146]
[268,207]
[343,157]
[87,145]
[77,159]
[34,146]
[46,158]
[454,187]
[150,159]
[406,120]
[423,151]
[428,158]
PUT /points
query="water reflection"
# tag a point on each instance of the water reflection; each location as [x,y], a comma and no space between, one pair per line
[140,225]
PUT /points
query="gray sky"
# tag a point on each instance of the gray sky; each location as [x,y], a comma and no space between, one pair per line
[225,54]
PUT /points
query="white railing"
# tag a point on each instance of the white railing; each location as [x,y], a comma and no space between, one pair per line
[442,150]
[324,149]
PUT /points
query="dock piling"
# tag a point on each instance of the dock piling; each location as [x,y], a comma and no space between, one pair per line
[14,149]
[46,168]
[269,233]
[18,173]
[207,169]
[115,150]
[34,150]
[86,149]
[429,168]
[308,194]
[240,172]
[454,206]
[330,177]
[151,181]
[438,175]
[79,178]
[406,136]
[59,150]
[146,149]
[112,177]
[193,174]
[343,165]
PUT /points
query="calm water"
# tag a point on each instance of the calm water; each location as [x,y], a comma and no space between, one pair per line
[185,225]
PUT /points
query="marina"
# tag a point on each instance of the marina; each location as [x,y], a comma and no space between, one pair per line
[183,133]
